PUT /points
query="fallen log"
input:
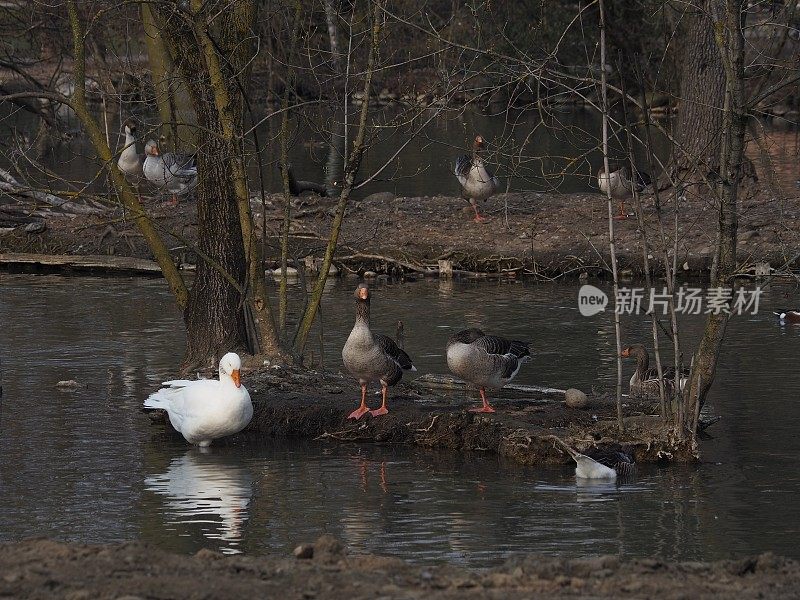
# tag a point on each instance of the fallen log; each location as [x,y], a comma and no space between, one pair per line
[434,381]
[107,264]
[11,186]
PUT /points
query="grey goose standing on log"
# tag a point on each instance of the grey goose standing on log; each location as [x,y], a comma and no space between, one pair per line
[485,360]
[372,357]
[621,185]
[170,172]
[477,183]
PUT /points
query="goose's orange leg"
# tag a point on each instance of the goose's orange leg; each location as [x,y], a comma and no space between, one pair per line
[479,218]
[486,408]
[363,409]
[621,214]
[382,410]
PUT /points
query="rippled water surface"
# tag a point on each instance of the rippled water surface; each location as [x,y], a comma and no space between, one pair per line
[88,466]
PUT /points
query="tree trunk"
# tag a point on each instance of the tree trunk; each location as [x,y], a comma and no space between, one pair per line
[702,95]
[728,24]
[228,300]
[160,68]
[214,316]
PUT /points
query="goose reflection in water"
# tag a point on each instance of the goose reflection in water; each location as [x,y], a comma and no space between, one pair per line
[207,489]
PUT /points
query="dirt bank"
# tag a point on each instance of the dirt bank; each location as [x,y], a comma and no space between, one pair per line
[290,402]
[46,569]
[546,235]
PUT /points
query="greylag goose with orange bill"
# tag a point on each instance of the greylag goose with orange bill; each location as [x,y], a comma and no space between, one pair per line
[485,360]
[169,171]
[372,357]
[644,381]
[621,185]
[477,183]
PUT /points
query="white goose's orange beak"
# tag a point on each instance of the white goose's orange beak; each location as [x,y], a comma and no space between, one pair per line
[237,378]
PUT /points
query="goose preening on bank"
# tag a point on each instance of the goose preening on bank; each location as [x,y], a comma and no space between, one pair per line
[604,464]
[169,172]
[130,162]
[485,360]
[203,410]
[644,381]
[621,185]
[788,316]
[372,357]
[477,183]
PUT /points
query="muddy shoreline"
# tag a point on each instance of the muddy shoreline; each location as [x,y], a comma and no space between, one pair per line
[48,569]
[537,235]
[296,403]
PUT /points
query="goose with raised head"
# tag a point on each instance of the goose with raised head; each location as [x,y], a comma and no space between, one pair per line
[169,171]
[130,162]
[477,182]
[645,381]
[204,410]
[621,186]
[369,357]
[485,360]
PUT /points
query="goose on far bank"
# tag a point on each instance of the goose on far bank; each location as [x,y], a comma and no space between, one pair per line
[644,381]
[371,357]
[621,185]
[485,360]
[130,162]
[787,316]
[203,410]
[477,183]
[169,172]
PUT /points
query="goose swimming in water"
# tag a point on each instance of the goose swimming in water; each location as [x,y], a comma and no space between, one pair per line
[644,381]
[371,357]
[620,185]
[485,360]
[204,410]
[788,316]
[477,183]
[603,464]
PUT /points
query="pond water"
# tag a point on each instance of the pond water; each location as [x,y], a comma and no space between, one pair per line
[557,153]
[89,466]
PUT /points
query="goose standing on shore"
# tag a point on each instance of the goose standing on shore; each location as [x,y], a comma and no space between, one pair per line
[371,357]
[130,162]
[170,172]
[620,185]
[485,360]
[644,381]
[203,410]
[477,183]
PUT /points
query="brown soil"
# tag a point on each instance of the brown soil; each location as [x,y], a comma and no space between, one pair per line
[547,235]
[291,402]
[46,569]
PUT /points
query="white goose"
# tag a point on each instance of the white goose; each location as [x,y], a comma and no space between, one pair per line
[130,162]
[203,410]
